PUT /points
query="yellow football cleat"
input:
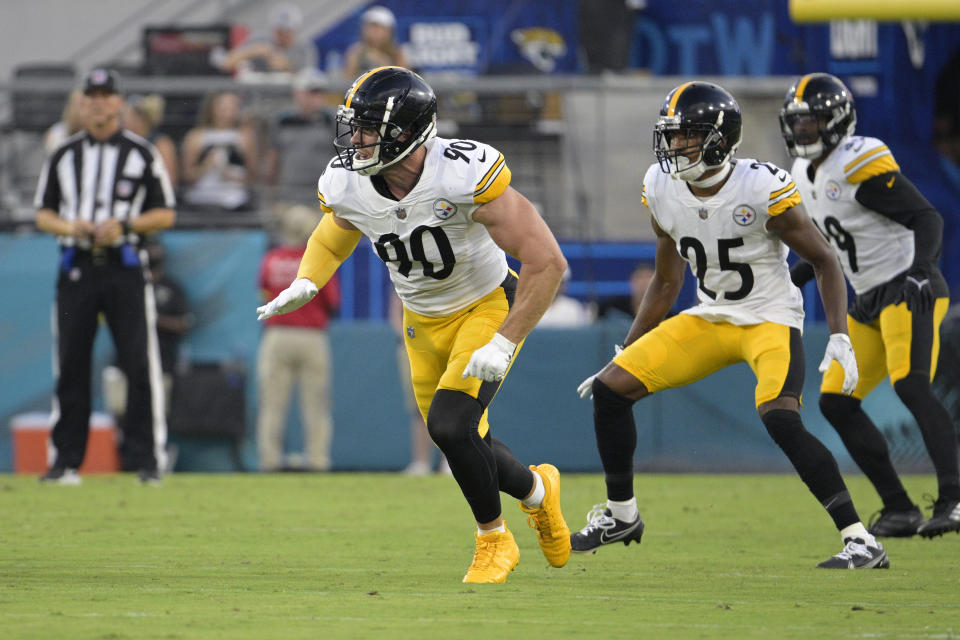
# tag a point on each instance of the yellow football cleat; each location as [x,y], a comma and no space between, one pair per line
[496,556]
[552,531]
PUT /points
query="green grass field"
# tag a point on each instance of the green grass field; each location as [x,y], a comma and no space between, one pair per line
[382,555]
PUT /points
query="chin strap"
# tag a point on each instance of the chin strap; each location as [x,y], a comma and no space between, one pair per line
[717,178]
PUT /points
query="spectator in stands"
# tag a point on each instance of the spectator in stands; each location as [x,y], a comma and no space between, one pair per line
[282,52]
[640,279]
[142,115]
[377,46]
[564,311]
[606,33]
[72,121]
[174,320]
[219,156]
[299,142]
[295,350]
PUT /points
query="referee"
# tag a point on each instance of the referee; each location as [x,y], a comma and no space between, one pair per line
[98,192]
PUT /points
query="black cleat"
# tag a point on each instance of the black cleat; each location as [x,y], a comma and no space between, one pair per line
[858,554]
[888,523]
[945,518]
[61,475]
[149,477]
[602,528]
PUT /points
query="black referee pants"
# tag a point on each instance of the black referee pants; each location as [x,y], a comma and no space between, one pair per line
[84,291]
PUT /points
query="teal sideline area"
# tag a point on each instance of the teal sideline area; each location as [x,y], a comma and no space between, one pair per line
[708,426]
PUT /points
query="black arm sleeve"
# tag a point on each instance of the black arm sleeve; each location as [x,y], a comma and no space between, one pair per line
[159,193]
[801,273]
[48,187]
[894,196]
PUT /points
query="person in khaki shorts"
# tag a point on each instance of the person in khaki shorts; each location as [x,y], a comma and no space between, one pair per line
[295,351]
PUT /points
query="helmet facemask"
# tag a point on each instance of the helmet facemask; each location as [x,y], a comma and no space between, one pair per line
[809,133]
[712,149]
[391,145]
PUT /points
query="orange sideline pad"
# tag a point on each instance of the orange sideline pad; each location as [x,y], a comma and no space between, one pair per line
[31,432]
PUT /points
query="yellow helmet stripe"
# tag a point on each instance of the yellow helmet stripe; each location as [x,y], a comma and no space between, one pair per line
[356,85]
[676,96]
[801,87]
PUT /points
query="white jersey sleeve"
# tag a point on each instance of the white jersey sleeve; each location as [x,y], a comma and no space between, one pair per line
[439,259]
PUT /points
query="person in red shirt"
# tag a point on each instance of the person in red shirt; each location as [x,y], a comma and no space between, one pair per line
[295,350]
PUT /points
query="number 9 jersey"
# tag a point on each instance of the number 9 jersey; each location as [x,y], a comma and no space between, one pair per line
[741,268]
[439,259]
[872,248]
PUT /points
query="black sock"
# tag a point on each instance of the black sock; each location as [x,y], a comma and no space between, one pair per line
[936,426]
[867,447]
[815,464]
[616,434]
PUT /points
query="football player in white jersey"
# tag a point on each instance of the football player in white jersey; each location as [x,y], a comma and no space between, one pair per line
[441,213]
[888,238]
[732,221]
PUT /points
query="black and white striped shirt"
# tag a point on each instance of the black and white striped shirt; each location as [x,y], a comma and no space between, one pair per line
[88,179]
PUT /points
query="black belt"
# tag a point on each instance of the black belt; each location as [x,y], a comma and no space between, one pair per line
[124,254]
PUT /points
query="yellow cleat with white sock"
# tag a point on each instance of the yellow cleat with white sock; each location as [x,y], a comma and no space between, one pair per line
[495,557]
[552,531]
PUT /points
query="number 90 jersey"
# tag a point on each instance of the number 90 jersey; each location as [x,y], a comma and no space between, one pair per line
[439,259]
[741,268]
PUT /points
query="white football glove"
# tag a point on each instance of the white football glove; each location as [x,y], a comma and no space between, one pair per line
[299,293]
[490,361]
[840,349]
[586,387]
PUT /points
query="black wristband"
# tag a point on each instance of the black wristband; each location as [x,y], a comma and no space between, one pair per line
[127,227]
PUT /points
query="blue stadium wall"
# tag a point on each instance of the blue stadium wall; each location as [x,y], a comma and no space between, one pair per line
[708,426]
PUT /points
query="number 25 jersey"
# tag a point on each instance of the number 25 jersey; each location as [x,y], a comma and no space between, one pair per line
[440,261]
[741,268]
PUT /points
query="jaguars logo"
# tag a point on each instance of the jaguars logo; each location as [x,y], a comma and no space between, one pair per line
[541,46]
[443,209]
[744,215]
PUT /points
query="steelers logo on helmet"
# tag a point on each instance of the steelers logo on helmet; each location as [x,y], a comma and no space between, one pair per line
[818,112]
[391,106]
[698,130]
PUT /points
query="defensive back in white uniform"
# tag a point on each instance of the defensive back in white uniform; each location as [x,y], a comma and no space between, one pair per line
[741,267]
[872,247]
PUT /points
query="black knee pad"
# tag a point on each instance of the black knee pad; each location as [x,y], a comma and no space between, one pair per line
[914,390]
[453,416]
[837,409]
[786,428]
[606,398]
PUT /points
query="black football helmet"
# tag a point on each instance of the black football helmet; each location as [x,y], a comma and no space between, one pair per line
[818,112]
[398,105]
[706,112]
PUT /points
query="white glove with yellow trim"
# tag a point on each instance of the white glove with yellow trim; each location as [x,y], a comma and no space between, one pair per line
[490,362]
[299,293]
[840,349]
